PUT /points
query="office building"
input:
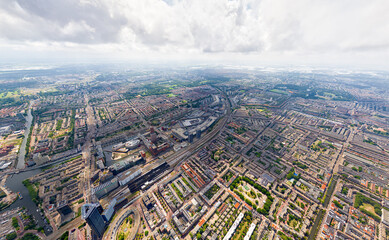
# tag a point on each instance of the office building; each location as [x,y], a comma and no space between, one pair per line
[91,214]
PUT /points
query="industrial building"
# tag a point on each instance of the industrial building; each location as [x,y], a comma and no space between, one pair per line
[153,171]
[128,176]
[105,188]
[183,134]
[125,164]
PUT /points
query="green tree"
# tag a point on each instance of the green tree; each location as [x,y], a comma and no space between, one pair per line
[30,236]
[121,236]
[11,236]
[65,236]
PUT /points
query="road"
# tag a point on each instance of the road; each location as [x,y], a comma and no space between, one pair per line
[86,148]
[335,170]
[73,224]
[119,218]
[89,167]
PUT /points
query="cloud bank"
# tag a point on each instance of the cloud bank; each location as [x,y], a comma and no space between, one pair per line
[256,28]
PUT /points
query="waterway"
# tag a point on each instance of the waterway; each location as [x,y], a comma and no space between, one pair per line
[14,182]
[22,151]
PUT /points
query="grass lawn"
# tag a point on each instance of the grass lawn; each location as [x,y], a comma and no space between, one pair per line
[369,208]
[9,94]
[293,223]
[238,234]
[171,95]
[252,194]
[14,142]
[330,95]
[228,176]
[125,228]
[61,132]
[279,91]
[303,187]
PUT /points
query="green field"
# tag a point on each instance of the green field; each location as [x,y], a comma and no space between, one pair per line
[368,206]
[125,229]
[13,94]
[279,91]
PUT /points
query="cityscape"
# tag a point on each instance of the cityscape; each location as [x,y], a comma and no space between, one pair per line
[201,153]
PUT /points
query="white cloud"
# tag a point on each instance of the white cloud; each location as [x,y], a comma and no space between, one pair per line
[279,29]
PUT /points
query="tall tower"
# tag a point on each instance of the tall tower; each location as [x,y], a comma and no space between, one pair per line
[153,137]
[91,214]
[198,133]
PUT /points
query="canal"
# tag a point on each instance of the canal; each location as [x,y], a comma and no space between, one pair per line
[14,182]
[22,151]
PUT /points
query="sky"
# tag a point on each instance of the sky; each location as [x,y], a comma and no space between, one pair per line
[284,32]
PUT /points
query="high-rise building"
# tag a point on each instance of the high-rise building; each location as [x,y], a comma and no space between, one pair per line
[190,138]
[198,133]
[63,207]
[153,137]
[91,214]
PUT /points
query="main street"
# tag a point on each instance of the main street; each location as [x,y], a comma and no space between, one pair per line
[114,226]
[86,148]
[67,227]
[335,170]
[89,167]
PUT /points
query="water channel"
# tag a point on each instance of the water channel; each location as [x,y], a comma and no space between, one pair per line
[22,151]
[14,181]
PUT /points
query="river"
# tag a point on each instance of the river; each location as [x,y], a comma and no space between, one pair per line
[14,182]
[22,151]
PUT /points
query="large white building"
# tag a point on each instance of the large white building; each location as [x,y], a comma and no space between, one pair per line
[385,216]
[232,230]
[5,130]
